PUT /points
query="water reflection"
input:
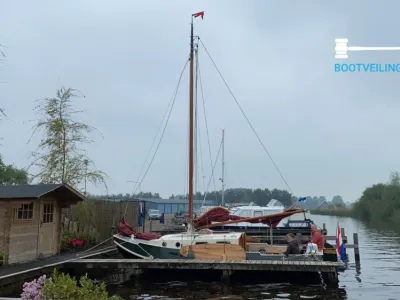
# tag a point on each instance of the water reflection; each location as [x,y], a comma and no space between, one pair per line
[378,274]
[376,277]
[214,291]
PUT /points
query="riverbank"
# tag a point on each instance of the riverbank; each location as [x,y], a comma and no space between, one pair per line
[378,206]
[339,212]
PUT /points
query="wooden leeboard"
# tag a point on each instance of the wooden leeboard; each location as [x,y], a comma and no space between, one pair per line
[215,252]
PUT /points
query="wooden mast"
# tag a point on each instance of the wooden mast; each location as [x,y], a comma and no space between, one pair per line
[191,133]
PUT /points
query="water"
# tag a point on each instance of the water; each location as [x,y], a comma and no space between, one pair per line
[377,277]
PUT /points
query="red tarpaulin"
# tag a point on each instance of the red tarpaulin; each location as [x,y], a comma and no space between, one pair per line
[125,229]
[215,214]
[221,215]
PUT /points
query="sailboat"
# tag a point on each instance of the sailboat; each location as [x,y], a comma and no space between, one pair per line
[199,242]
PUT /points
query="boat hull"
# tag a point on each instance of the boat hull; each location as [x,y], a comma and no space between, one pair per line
[137,249]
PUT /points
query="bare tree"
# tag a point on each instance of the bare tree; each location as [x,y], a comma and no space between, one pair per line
[59,156]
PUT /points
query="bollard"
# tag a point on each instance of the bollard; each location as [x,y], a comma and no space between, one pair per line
[356,249]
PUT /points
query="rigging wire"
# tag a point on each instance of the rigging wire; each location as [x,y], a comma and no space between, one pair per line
[163,131]
[198,131]
[160,126]
[212,173]
[208,135]
[201,160]
[196,169]
[185,176]
[247,119]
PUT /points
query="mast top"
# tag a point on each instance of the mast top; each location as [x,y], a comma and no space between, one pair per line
[199,14]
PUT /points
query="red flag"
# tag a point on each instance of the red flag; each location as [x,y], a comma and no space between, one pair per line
[199,14]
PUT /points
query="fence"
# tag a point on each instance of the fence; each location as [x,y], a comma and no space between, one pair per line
[99,217]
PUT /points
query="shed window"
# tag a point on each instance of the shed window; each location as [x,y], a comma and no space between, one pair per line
[48,213]
[25,212]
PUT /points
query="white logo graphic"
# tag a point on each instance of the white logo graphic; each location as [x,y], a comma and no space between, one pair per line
[342,48]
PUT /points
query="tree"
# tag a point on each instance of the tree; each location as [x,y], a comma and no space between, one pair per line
[282,196]
[58,156]
[338,201]
[394,178]
[9,174]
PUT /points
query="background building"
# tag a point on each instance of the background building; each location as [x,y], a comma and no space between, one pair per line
[172,206]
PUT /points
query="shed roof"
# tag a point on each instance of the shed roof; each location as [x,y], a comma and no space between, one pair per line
[32,191]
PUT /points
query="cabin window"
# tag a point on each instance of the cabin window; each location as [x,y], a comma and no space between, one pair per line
[48,213]
[244,213]
[201,243]
[223,242]
[25,212]
[258,213]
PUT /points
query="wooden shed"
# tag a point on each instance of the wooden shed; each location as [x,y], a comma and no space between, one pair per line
[30,219]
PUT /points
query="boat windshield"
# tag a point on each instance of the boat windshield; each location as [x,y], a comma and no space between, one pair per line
[234,211]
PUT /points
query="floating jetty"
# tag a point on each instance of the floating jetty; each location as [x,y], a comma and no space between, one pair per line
[329,270]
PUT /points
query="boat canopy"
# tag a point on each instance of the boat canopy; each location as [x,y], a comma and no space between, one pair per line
[223,217]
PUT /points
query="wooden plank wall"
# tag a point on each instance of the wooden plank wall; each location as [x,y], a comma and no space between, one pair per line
[99,217]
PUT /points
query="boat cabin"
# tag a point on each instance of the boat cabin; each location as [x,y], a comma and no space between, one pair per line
[252,211]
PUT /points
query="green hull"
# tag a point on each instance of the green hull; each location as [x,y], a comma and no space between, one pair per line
[143,250]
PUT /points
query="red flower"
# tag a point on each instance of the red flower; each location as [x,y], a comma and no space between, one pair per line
[76,242]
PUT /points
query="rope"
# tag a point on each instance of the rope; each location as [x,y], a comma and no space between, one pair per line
[185,182]
[169,111]
[208,135]
[202,164]
[198,133]
[196,169]
[163,132]
[247,119]
[80,253]
[159,128]
[212,173]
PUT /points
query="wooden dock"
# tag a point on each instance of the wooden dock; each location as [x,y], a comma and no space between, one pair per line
[10,274]
[329,270]
[192,264]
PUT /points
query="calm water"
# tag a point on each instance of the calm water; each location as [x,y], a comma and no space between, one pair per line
[378,277]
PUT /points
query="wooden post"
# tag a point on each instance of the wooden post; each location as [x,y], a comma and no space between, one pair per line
[226,276]
[344,236]
[356,249]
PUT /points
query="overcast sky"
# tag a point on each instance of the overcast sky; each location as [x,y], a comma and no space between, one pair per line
[329,133]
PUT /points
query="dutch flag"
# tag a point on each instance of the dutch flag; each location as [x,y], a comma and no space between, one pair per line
[339,244]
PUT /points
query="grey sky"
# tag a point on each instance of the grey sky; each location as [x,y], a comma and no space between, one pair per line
[329,133]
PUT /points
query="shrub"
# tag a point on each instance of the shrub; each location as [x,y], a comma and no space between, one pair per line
[62,286]
[69,238]
[1,258]
[33,290]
